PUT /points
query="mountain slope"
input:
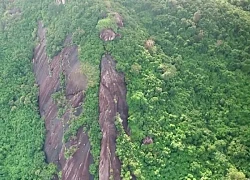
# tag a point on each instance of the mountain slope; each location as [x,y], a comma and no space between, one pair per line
[186,66]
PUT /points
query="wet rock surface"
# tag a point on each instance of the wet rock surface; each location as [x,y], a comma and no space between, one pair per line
[48,73]
[112,100]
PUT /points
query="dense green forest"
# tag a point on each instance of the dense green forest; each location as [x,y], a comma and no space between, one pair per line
[187,70]
[21,129]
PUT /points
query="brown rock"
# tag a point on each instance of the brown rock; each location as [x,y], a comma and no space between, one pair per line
[112,100]
[47,74]
[149,43]
[77,166]
[197,16]
[107,35]
[147,140]
[118,19]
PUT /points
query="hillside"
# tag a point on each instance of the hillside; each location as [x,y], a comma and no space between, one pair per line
[134,89]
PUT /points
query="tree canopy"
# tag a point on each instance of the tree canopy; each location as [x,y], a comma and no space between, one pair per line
[186,66]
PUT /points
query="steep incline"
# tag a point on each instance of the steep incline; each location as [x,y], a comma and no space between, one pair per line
[62,74]
[112,100]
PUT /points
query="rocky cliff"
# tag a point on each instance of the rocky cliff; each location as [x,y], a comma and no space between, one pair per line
[112,100]
[62,75]
[61,85]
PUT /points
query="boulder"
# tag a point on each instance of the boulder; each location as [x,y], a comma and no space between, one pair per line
[107,35]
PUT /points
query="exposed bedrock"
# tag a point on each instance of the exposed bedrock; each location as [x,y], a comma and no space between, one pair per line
[48,72]
[112,100]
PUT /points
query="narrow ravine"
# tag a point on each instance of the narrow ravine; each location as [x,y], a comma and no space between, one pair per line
[61,85]
[112,100]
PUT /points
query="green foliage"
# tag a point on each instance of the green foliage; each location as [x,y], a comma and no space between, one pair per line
[244,4]
[107,23]
[48,172]
[91,72]
[233,174]
[77,18]
[61,102]
[190,92]
[21,130]
[70,151]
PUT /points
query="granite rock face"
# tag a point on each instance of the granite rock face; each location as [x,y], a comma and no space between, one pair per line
[112,100]
[49,73]
[62,75]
